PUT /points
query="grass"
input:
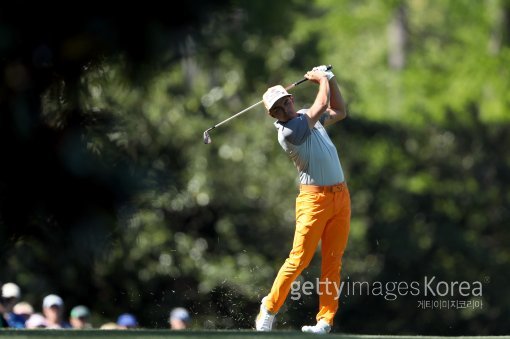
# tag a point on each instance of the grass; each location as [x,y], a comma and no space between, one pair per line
[243,334]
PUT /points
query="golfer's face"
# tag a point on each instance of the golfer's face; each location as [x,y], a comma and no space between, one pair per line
[283,109]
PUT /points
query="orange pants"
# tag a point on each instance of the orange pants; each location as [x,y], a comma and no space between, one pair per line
[322,213]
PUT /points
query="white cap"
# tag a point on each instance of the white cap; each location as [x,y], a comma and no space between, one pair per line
[23,308]
[36,320]
[180,313]
[10,290]
[273,94]
[52,300]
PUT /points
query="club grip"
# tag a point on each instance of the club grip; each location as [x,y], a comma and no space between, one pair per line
[328,68]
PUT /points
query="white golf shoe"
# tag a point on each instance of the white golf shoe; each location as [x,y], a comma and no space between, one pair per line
[322,327]
[264,321]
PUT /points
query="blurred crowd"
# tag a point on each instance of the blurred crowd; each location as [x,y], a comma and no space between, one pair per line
[16,313]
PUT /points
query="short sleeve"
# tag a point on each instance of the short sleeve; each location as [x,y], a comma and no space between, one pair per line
[296,130]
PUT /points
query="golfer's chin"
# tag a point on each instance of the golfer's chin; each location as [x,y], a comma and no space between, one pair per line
[288,115]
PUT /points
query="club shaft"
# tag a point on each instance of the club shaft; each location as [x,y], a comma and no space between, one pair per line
[295,84]
[258,103]
[237,114]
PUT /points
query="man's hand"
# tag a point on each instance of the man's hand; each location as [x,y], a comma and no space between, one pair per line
[316,75]
[324,69]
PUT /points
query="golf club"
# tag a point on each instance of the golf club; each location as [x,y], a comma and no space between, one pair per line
[207,137]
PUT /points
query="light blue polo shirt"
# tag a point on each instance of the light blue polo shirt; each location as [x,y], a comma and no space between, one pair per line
[311,150]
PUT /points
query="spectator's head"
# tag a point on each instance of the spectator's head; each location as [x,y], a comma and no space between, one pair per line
[127,320]
[109,326]
[79,317]
[53,308]
[36,320]
[23,309]
[179,319]
[11,290]
[10,295]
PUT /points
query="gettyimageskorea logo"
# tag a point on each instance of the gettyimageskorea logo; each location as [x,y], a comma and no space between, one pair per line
[444,294]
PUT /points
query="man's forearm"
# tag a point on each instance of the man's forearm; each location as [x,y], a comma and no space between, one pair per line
[336,101]
[336,110]
[321,103]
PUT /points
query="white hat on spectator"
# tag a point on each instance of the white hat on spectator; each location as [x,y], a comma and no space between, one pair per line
[52,300]
[36,320]
[23,308]
[11,290]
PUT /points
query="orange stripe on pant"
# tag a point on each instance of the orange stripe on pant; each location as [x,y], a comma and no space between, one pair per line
[322,213]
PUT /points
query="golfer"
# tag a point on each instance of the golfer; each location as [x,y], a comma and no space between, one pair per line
[323,207]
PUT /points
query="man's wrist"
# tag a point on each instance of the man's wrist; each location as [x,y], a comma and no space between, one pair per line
[325,69]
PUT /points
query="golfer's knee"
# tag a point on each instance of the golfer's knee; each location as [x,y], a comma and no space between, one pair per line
[298,263]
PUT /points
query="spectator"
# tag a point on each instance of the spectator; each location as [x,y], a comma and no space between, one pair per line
[79,317]
[109,326]
[179,319]
[53,310]
[127,320]
[10,296]
[3,322]
[36,320]
[23,309]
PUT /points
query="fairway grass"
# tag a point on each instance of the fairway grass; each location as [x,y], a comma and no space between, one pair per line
[244,334]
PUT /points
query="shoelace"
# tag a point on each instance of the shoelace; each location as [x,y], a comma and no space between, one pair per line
[266,320]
